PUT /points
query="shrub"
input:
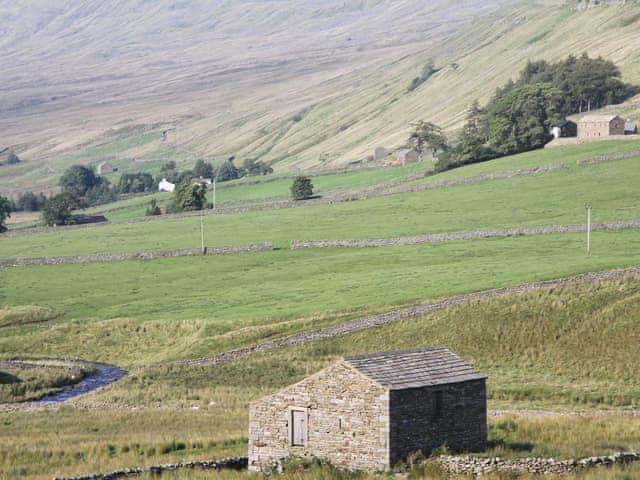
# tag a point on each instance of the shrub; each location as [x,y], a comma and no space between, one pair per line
[301,188]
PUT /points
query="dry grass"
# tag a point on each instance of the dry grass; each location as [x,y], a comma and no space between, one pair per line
[353,94]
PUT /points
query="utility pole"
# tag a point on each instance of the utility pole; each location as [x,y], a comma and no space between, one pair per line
[214,193]
[202,247]
[588,229]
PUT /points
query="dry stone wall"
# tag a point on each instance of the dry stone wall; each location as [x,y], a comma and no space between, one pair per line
[150,255]
[474,466]
[448,237]
[237,463]
[610,158]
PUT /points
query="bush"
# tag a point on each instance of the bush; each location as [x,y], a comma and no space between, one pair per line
[302,188]
[57,210]
[30,202]
[153,209]
[12,159]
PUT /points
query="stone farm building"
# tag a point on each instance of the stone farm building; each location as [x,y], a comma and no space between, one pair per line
[105,167]
[598,126]
[564,129]
[166,186]
[370,411]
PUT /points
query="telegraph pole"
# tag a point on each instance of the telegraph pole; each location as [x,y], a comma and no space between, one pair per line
[588,229]
[214,193]
[202,247]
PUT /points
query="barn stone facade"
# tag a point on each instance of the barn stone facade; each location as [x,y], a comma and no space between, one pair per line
[368,412]
[598,126]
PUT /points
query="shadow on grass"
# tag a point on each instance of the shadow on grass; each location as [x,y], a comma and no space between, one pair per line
[8,378]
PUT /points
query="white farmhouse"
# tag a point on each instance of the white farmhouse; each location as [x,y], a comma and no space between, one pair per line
[166,186]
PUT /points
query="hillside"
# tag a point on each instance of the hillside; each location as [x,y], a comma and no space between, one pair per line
[323,103]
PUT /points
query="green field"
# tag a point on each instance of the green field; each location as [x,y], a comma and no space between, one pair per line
[550,198]
[197,302]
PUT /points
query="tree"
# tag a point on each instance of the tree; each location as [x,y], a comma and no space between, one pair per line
[78,180]
[203,169]
[135,183]
[189,196]
[256,167]
[301,188]
[153,209]
[58,209]
[5,212]
[227,171]
[12,159]
[520,119]
[31,202]
[170,165]
[427,135]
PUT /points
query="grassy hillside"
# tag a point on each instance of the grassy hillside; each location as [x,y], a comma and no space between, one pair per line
[316,108]
[569,348]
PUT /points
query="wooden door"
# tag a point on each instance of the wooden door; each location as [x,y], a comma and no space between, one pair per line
[298,428]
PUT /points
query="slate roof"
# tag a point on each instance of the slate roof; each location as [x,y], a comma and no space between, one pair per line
[563,123]
[630,127]
[420,367]
[598,118]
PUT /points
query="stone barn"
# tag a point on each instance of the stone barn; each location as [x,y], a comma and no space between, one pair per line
[368,412]
[598,126]
[104,168]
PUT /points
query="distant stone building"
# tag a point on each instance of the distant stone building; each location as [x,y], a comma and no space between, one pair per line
[406,155]
[166,186]
[598,126]
[379,153]
[564,129]
[631,129]
[105,167]
[368,412]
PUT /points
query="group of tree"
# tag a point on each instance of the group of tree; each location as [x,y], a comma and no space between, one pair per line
[135,183]
[5,212]
[519,115]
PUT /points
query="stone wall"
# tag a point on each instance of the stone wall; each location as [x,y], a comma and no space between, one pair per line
[559,142]
[149,255]
[612,157]
[237,463]
[347,421]
[536,466]
[448,237]
[417,424]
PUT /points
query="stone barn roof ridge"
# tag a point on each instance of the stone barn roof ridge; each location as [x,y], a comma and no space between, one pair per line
[414,368]
[597,118]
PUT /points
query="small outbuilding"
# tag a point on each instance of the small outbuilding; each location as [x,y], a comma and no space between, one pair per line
[406,155]
[369,412]
[564,128]
[379,153]
[104,168]
[631,129]
[166,186]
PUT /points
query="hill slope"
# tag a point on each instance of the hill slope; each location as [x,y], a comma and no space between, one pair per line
[302,87]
